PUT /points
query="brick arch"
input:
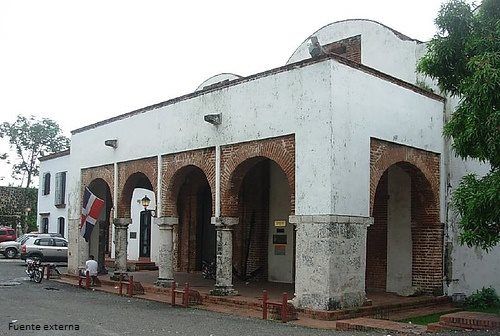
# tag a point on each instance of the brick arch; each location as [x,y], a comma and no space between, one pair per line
[426,229]
[175,183]
[175,168]
[140,173]
[106,173]
[238,159]
[421,164]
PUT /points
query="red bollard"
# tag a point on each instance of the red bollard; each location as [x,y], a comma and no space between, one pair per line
[185,297]
[172,288]
[284,308]
[87,280]
[48,271]
[130,290]
[264,305]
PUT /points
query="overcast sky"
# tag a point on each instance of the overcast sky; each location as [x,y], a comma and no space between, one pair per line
[79,62]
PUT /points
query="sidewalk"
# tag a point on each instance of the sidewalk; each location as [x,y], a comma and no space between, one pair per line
[251,306]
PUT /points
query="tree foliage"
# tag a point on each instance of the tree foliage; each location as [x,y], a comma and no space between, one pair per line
[464,58]
[32,138]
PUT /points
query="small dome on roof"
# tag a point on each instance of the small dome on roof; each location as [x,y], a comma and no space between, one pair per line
[344,29]
[217,79]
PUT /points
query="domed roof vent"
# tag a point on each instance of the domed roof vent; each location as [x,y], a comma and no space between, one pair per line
[217,80]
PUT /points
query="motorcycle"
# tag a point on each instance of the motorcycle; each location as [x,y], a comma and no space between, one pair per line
[34,270]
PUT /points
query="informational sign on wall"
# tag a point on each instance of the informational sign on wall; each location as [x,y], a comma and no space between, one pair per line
[133,235]
[279,223]
[279,239]
[279,249]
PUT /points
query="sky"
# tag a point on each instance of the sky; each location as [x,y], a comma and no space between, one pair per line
[78,62]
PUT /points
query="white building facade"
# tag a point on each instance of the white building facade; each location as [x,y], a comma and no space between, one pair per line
[329,172]
[52,204]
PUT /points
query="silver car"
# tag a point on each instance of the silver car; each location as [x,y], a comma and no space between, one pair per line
[10,249]
[45,248]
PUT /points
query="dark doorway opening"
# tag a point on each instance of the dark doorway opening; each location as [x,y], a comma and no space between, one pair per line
[196,234]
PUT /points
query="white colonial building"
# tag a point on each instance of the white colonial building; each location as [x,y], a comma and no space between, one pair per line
[329,172]
[52,196]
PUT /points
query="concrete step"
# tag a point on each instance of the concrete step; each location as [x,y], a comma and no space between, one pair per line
[382,311]
[471,320]
[437,327]
[367,324]
[404,314]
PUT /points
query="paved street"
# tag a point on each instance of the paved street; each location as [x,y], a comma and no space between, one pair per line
[52,306]
[98,313]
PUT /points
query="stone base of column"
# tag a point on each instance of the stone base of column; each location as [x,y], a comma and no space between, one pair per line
[223,291]
[164,282]
[117,275]
[331,250]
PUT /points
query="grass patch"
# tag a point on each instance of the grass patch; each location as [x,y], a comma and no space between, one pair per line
[424,320]
[431,318]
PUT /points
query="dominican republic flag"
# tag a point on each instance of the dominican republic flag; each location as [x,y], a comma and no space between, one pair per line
[91,210]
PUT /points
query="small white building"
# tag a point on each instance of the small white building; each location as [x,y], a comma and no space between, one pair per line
[52,196]
[329,172]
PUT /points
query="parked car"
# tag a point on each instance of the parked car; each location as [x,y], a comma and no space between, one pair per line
[7,234]
[10,249]
[45,248]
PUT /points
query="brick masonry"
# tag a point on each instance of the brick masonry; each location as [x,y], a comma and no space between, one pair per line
[175,168]
[238,159]
[106,174]
[250,236]
[349,48]
[427,231]
[140,173]
[102,172]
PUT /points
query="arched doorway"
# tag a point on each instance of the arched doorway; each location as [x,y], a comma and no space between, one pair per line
[100,239]
[195,233]
[404,245]
[140,230]
[263,240]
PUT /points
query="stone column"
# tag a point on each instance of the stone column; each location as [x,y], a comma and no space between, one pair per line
[224,255]
[78,248]
[121,242]
[165,259]
[330,260]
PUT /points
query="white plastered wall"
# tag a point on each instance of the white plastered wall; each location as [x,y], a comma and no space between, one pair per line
[280,262]
[399,242]
[135,213]
[295,101]
[381,48]
[363,107]
[46,202]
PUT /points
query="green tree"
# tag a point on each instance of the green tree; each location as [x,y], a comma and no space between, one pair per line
[32,138]
[464,58]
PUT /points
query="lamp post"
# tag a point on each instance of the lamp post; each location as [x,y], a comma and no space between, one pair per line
[145,201]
